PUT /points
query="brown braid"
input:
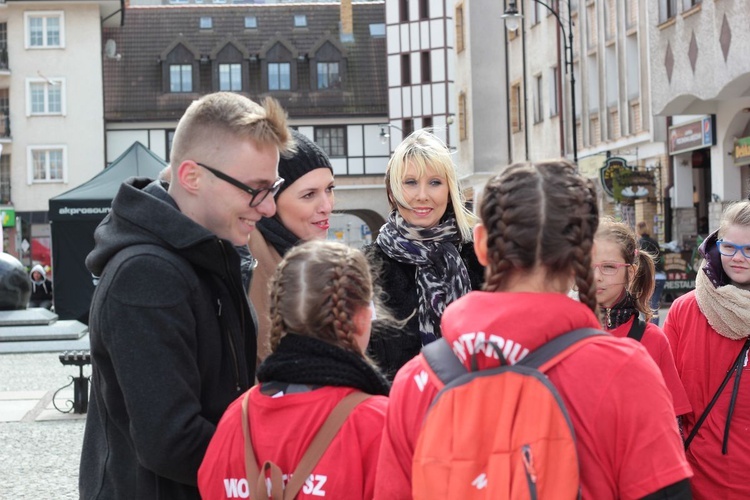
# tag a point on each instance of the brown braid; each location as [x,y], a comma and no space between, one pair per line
[316,291]
[540,214]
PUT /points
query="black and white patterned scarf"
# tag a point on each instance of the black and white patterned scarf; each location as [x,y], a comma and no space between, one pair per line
[441,273]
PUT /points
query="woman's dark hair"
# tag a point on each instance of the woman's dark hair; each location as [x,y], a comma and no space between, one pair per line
[540,214]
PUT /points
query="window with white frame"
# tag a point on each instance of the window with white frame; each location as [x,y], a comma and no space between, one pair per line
[538,98]
[46,164]
[279,76]
[44,29]
[554,105]
[251,22]
[180,78]
[206,23]
[230,77]
[300,20]
[332,140]
[45,96]
[328,75]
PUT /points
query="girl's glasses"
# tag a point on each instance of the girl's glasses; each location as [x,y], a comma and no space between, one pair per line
[730,249]
[610,268]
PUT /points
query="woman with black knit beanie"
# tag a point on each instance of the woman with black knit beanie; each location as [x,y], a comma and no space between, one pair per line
[321,310]
[303,206]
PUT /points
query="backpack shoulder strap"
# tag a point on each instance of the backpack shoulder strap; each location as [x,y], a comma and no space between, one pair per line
[322,440]
[441,362]
[547,355]
[637,329]
[312,456]
[252,473]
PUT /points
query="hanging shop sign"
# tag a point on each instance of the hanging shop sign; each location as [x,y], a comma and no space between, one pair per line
[8,216]
[623,182]
[613,167]
[742,151]
[697,134]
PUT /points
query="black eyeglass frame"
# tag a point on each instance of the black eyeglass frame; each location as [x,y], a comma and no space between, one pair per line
[258,195]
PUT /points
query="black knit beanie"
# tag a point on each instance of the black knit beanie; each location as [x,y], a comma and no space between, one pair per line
[307,157]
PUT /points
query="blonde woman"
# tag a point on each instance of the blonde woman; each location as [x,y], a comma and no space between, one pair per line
[424,255]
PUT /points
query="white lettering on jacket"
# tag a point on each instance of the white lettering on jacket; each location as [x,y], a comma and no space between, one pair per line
[466,343]
[238,487]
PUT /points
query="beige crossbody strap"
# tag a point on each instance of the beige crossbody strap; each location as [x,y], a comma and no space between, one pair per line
[252,473]
[314,452]
[322,440]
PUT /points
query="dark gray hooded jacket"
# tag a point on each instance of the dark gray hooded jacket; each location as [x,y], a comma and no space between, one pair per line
[172,343]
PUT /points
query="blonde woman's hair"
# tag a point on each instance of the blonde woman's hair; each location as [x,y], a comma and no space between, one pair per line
[736,214]
[316,290]
[423,150]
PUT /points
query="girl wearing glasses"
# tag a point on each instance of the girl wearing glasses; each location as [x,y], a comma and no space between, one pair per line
[624,278]
[303,205]
[709,332]
[424,255]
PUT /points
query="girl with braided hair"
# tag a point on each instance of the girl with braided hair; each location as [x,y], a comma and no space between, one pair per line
[538,222]
[321,310]
[423,256]
[624,277]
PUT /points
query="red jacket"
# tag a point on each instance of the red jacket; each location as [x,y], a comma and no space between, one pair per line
[281,430]
[621,410]
[703,357]
[657,345]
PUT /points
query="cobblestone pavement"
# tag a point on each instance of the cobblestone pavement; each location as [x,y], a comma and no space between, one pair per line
[40,447]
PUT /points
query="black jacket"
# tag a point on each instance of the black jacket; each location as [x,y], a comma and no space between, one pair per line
[392,347]
[172,344]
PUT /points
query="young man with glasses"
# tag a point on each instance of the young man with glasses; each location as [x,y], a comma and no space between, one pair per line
[172,335]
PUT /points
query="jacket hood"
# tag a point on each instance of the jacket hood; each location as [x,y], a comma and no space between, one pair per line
[144,213]
[38,269]
[517,322]
[712,263]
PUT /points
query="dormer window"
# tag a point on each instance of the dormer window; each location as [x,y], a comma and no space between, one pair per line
[206,23]
[300,21]
[179,68]
[230,77]
[180,78]
[328,75]
[279,76]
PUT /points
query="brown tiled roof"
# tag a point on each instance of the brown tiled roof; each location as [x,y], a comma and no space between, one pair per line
[133,87]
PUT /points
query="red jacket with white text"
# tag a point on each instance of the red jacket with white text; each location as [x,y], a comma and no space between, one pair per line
[621,410]
[281,430]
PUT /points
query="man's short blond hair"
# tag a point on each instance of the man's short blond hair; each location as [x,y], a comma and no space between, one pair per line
[214,118]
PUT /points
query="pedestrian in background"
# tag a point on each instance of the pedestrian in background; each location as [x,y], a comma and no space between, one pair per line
[303,208]
[172,336]
[41,288]
[535,237]
[709,332]
[624,278]
[651,246]
[423,257]
[321,309]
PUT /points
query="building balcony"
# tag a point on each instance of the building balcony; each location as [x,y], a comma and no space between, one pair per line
[5,128]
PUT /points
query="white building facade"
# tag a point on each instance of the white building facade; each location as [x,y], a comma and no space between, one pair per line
[51,104]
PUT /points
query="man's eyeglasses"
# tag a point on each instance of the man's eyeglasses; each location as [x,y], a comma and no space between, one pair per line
[610,268]
[258,195]
[730,249]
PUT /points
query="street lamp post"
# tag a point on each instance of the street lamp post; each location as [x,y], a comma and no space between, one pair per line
[384,134]
[512,17]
